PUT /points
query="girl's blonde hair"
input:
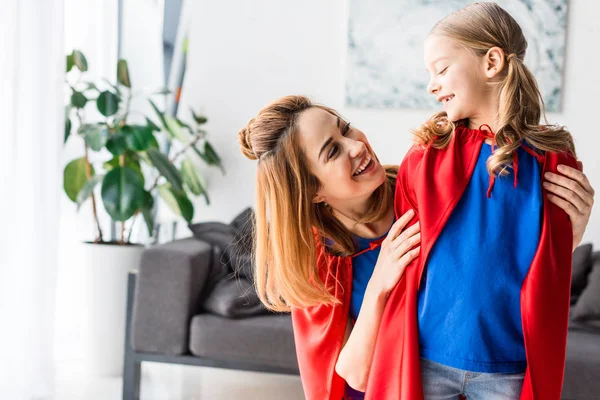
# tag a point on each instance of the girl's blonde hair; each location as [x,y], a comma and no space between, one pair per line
[288,223]
[479,27]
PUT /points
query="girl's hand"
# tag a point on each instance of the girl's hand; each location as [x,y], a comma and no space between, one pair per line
[574,194]
[397,251]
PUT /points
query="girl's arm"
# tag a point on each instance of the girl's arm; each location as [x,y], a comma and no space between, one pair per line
[397,251]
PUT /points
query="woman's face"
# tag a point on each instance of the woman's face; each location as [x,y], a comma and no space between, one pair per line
[340,157]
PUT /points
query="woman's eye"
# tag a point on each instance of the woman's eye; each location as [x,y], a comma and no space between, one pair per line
[333,151]
[443,71]
[346,129]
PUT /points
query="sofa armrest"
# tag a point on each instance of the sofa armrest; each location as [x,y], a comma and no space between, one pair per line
[170,281]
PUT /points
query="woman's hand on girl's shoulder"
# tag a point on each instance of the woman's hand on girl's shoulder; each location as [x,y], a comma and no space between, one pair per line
[398,249]
[572,192]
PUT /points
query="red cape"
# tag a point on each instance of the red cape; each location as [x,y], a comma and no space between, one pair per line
[431,182]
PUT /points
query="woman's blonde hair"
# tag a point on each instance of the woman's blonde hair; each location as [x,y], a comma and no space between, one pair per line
[288,223]
[479,27]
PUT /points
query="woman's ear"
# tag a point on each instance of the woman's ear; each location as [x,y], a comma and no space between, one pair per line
[318,198]
[494,61]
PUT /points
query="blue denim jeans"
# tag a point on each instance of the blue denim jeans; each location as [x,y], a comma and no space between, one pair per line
[441,382]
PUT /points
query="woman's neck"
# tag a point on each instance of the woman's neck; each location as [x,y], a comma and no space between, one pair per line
[368,230]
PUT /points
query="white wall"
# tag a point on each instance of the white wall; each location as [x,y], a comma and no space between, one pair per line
[243,55]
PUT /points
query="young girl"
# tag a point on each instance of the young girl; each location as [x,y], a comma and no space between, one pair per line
[490,292]
[328,249]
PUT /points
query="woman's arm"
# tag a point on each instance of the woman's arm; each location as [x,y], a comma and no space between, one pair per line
[397,251]
[355,358]
[573,193]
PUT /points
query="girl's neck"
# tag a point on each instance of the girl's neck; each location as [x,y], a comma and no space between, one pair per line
[487,114]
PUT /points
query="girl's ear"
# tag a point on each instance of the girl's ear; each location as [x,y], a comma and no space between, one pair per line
[494,61]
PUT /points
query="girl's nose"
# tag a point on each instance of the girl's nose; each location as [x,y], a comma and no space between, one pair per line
[433,87]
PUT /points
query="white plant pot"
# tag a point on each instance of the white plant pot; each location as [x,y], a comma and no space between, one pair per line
[106,269]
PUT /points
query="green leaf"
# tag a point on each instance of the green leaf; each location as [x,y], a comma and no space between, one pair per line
[74,177]
[68,124]
[212,156]
[116,144]
[152,125]
[87,189]
[170,124]
[117,90]
[95,135]
[122,193]
[108,103]
[182,124]
[146,208]
[138,137]
[123,73]
[202,156]
[166,168]
[80,61]
[177,201]
[78,99]
[200,119]
[70,62]
[159,114]
[190,177]
[131,161]
[174,129]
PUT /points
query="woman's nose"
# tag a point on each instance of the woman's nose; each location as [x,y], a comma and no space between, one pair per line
[358,148]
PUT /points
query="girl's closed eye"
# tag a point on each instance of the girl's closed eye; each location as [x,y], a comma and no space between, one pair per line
[442,72]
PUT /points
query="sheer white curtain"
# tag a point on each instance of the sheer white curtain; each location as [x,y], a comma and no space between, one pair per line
[31,130]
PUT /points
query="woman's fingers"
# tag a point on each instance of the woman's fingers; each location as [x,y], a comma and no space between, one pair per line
[567,195]
[399,225]
[410,256]
[408,232]
[406,245]
[569,208]
[578,176]
[574,181]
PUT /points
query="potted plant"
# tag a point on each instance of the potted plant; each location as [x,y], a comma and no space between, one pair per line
[124,167]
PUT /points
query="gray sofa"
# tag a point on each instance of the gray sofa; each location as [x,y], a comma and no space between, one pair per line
[167,322]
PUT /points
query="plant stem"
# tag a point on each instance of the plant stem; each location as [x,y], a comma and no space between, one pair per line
[122,164]
[186,147]
[88,173]
[131,228]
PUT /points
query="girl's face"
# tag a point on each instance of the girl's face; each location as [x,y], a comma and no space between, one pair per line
[459,81]
[341,158]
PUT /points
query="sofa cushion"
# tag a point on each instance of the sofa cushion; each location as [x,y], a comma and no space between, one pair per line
[266,339]
[240,252]
[588,304]
[582,263]
[582,368]
[234,298]
[219,236]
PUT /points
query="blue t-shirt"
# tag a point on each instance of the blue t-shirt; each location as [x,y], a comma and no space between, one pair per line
[469,305]
[362,269]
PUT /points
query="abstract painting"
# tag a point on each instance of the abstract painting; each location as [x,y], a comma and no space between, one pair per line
[385,49]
